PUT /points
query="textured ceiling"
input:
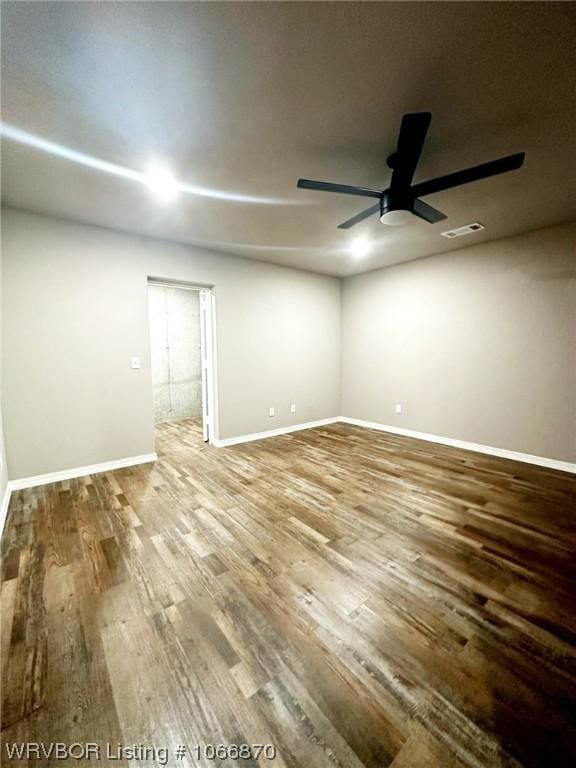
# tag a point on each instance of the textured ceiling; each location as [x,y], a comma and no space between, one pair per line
[247,97]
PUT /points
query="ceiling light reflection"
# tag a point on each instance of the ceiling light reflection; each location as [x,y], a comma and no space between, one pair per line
[162,184]
[360,247]
[13,133]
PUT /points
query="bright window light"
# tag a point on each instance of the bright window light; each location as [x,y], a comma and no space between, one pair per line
[360,247]
[162,184]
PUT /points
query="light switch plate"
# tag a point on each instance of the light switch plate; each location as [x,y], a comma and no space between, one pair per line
[271,412]
[293,408]
[135,362]
[398,407]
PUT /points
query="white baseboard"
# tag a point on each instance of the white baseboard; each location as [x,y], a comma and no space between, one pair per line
[504,453]
[4,507]
[67,474]
[91,469]
[131,461]
[273,432]
[488,450]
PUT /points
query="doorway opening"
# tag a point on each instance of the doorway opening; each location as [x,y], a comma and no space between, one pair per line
[181,318]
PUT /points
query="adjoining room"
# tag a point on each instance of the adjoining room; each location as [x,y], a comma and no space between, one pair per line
[182,355]
[288,384]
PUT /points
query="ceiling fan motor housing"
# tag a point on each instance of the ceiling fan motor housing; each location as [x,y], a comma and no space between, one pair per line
[395,211]
[402,200]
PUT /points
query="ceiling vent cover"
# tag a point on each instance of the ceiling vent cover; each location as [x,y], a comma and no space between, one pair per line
[467,230]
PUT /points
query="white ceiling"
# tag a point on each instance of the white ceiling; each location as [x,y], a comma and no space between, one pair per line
[247,97]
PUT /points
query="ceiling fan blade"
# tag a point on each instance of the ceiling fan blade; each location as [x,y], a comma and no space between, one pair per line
[360,217]
[344,189]
[503,165]
[413,132]
[428,213]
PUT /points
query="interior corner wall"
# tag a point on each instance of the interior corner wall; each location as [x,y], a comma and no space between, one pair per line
[76,310]
[477,345]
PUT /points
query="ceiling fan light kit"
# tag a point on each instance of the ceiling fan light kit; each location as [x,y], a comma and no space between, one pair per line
[396,218]
[401,200]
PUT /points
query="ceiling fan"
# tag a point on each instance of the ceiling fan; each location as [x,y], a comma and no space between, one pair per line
[401,200]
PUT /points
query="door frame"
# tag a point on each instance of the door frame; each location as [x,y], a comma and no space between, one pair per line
[207,353]
[210,421]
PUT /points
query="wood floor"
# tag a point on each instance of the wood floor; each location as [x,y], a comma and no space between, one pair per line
[351,597]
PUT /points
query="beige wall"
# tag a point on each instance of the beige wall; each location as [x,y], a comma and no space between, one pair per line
[75,311]
[3,458]
[478,345]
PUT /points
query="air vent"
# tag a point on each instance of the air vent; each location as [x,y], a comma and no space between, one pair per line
[467,230]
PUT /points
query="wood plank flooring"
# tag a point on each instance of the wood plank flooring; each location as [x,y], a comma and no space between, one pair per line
[351,597]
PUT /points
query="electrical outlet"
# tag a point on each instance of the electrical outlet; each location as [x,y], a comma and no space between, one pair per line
[271,412]
[293,408]
[398,407]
